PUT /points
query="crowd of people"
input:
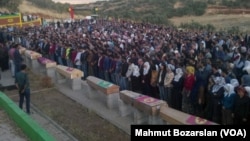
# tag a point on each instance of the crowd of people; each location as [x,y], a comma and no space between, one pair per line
[203,73]
[25,17]
[5,13]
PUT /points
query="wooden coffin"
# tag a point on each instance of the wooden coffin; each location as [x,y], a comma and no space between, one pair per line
[128,97]
[103,86]
[46,62]
[149,104]
[69,72]
[32,54]
[177,117]
[22,50]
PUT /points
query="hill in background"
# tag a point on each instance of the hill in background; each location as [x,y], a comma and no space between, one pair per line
[200,14]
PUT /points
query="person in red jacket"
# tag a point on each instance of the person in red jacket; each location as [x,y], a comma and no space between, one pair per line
[52,50]
[189,80]
[73,56]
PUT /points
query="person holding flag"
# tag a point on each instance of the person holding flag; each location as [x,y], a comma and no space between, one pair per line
[71,12]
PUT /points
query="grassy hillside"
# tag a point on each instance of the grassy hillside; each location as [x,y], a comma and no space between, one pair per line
[28,7]
[229,15]
[154,11]
[212,14]
[231,22]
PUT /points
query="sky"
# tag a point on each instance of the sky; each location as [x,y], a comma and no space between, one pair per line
[75,1]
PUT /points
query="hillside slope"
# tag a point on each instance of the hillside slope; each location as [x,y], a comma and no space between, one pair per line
[175,12]
[27,7]
[222,14]
[221,17]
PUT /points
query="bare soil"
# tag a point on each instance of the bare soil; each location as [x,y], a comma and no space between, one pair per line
[221,17]
[220,21]
[83,124]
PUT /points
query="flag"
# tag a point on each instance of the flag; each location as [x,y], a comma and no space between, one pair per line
[71,12]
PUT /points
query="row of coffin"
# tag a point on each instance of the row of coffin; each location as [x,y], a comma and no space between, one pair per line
[144,109]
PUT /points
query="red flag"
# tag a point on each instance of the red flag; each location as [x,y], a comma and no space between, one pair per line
[71,12]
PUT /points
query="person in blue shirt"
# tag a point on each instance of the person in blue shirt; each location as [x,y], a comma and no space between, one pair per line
[17,58]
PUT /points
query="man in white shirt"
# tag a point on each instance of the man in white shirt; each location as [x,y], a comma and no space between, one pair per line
[129,73]
[77,60]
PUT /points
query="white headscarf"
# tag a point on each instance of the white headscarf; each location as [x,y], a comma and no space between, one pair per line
[219,82]
[247,69]
[247,88]
[170,66]
[247,63]
[229,89]
[178,74]
[146,68]
[234,82]
[136,72]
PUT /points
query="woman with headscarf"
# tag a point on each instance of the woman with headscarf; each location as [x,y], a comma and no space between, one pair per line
[245,80]
[227,104]
[188,84]
[241,107]
[177,89]
[234,82]
[145,79]
[4,57]
[215,96]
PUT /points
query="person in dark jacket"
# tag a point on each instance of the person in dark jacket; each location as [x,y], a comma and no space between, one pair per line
[18,60]
[177,89]
[123,79]
[160,80]
[23,86]
[227,104]
[198,92]
[215,96]
[4,57]
[145,72]
[241,107]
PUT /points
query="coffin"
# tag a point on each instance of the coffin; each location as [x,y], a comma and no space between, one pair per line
[149,104]
[174,116]
[46,62]
[69,72]
[32,54]
[128,97]
[103,86]
[22,50]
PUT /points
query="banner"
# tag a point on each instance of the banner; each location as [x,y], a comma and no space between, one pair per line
[11,20]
